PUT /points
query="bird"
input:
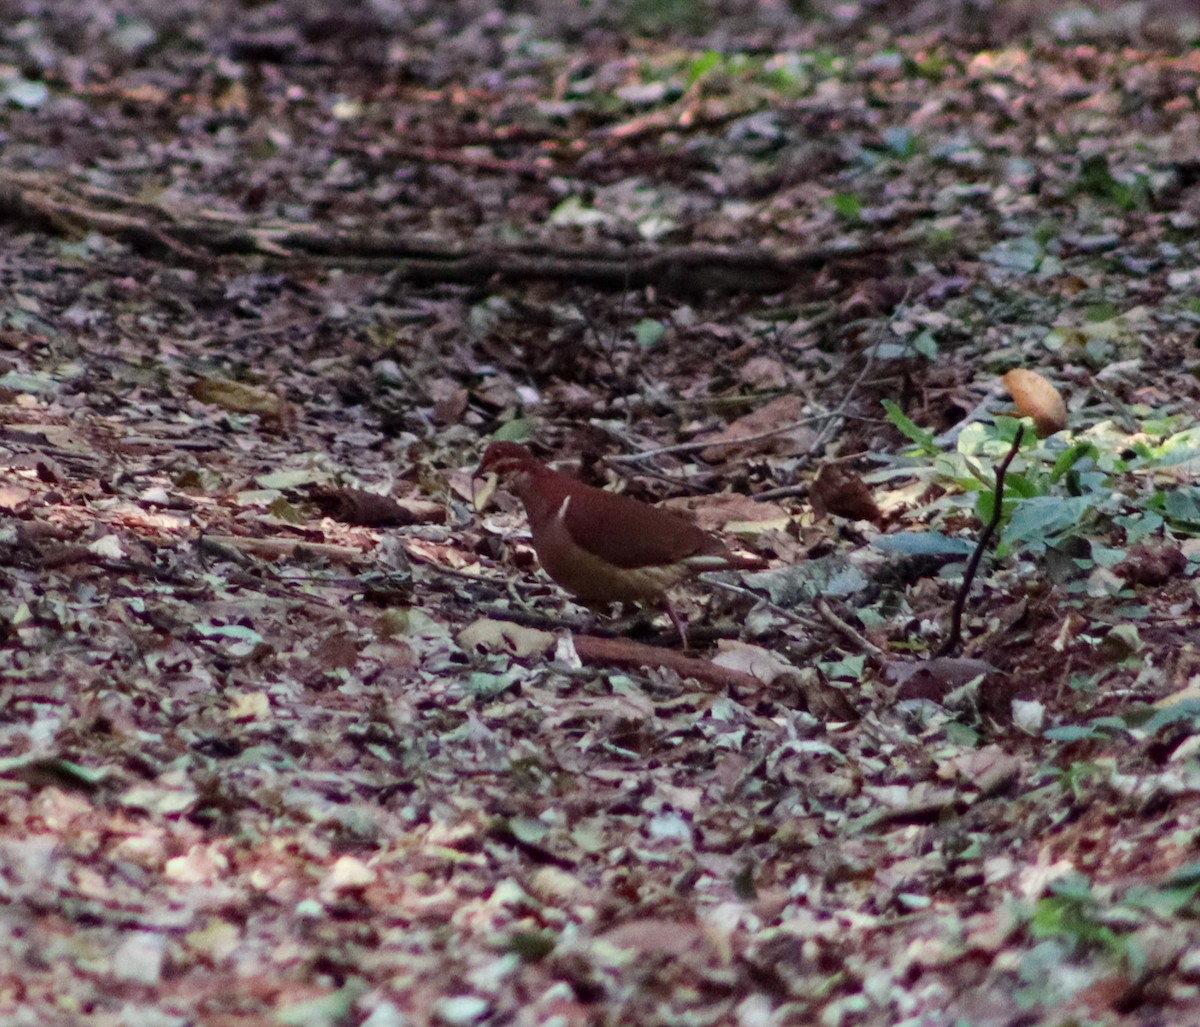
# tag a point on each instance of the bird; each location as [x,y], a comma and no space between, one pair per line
[602,547]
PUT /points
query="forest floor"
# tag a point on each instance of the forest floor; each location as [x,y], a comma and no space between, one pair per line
[292,728]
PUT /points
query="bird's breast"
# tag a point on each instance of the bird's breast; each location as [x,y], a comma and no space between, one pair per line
[593,579]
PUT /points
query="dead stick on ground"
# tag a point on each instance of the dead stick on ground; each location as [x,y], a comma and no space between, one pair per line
[847,630]
[954,639]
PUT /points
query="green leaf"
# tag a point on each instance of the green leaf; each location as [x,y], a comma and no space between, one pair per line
[285,511]
[325,1011]
[519,429]
[847,205]
[1024,254]
[532,946]
[901,140]
[1072,733]
[926,345]
[1189,709]
[1180,505]
[908,428]
[923,543]
[702,65]
[1042,517]
[649,332]
[1070,457]
[849,669]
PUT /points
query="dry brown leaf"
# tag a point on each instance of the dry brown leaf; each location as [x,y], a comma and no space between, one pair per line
[13,496]
[841,491]
[773,429]
[357,506]
[489,636]
[236,397]
[731,512]
[1038,399]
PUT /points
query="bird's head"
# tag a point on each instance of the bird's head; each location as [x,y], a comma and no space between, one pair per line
[504,459]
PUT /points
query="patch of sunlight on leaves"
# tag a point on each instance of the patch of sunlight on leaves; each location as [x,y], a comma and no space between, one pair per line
[529,830]
[290,479]
[573,212]
[1117,332]
[655,227]
[207,629]
[1177,449]
[29,94]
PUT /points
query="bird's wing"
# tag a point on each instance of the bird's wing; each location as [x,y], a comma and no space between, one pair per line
[629,534]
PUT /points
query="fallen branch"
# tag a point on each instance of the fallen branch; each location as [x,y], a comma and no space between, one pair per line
[621,652]
[284,548]
[682,270]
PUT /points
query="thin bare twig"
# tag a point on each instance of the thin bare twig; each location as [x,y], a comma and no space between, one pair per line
[954,639]
[784,614]
[846,630]
[838,415]
[693,447]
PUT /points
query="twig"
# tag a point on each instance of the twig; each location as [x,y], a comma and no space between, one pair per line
[838,414]
[284,548]
[784,614]
[692,447]
[846,630]
[954,639]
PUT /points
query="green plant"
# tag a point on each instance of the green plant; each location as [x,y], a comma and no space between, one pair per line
[1086,497]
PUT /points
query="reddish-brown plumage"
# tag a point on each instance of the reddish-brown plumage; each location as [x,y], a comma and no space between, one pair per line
[600,546]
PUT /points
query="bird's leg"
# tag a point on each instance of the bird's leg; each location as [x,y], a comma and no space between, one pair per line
[680,624]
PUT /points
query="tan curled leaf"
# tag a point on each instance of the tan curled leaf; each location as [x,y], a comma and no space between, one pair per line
[236,397]
[1038,399]
[489,636]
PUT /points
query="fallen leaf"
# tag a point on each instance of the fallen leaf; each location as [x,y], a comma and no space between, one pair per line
[841,491]
[488,636]
[774,428]
[236,397]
